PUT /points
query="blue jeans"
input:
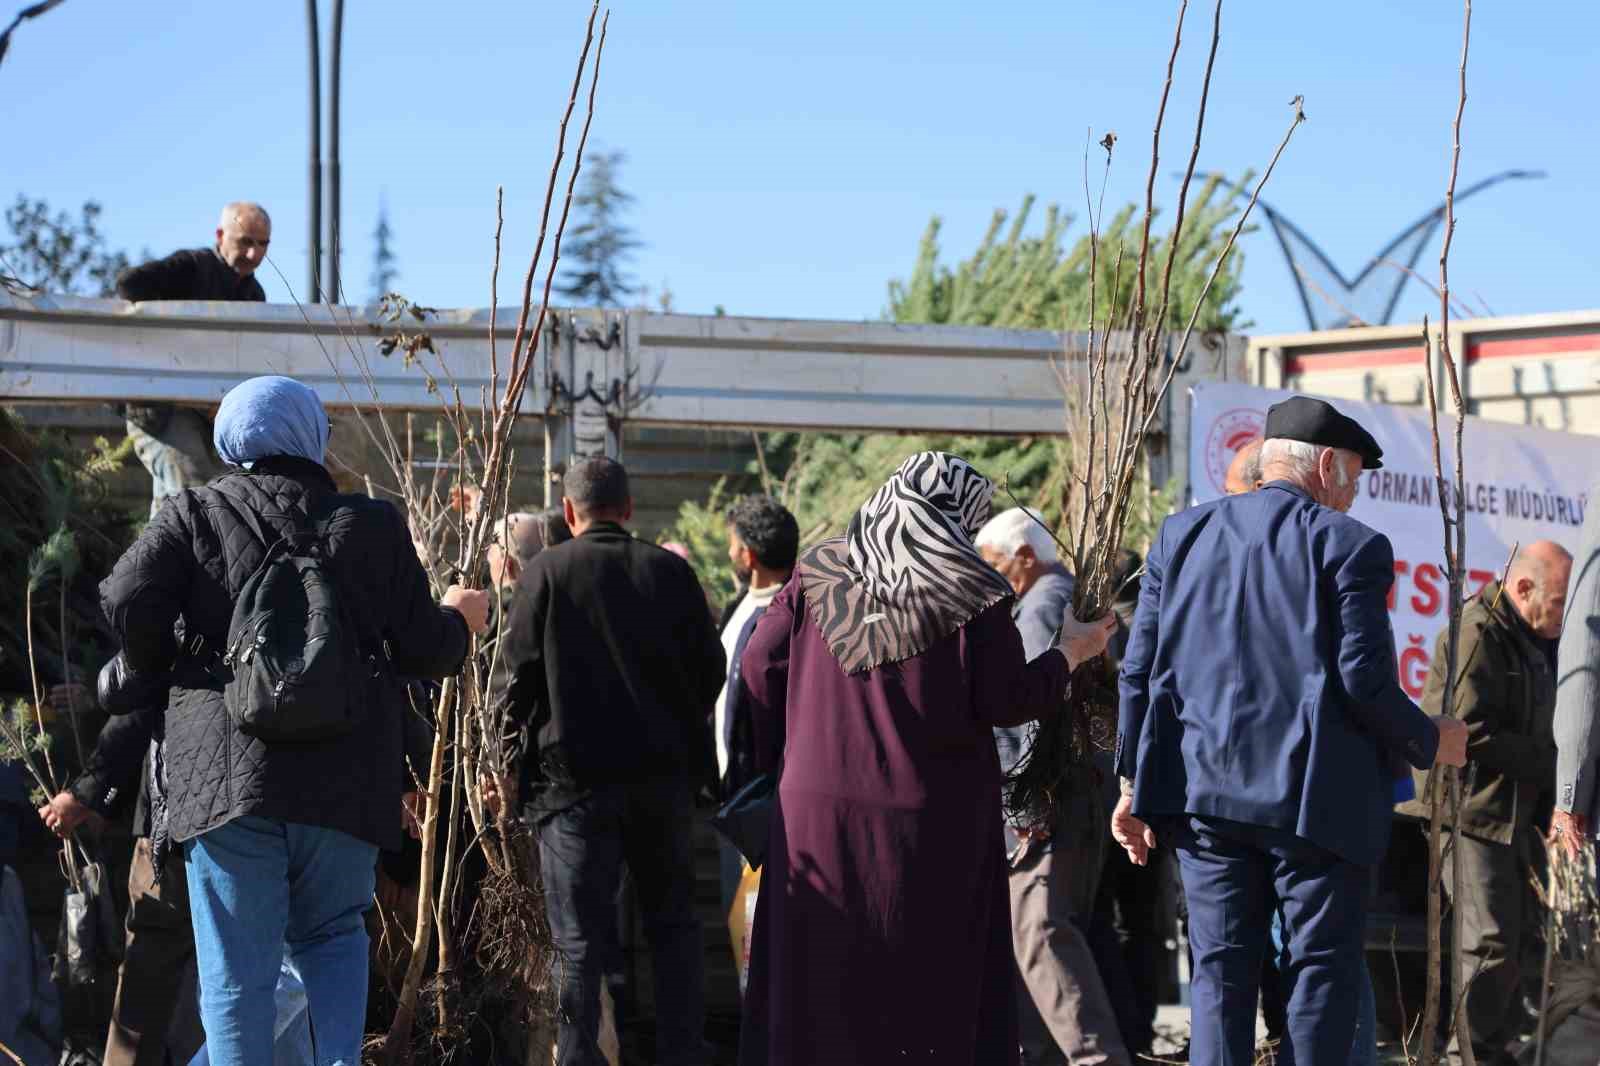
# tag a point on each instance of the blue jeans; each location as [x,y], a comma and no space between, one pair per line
[256,887]
[1364,1049]
[293,1040]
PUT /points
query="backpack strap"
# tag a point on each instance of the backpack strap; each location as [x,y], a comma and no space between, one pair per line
[368,631]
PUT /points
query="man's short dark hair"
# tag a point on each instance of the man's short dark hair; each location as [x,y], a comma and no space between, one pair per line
[596,484]
[768,530]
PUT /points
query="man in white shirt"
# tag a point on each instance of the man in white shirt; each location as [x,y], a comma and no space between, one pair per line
[763,541]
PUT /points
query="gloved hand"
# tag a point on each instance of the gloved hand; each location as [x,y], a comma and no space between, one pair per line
[121,690]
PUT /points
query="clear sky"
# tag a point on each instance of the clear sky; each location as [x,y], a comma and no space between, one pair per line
[787,157]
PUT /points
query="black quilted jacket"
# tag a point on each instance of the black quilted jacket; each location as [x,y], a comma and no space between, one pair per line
[191,561]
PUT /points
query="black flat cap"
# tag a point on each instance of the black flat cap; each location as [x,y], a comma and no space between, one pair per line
[1318,422]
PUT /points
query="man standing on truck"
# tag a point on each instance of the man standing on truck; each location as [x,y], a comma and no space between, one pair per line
[1506,694]
[173,442]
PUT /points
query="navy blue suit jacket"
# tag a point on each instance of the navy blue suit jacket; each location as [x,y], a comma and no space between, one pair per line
[1259,681]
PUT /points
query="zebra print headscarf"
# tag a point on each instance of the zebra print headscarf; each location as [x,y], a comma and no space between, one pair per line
[907,573]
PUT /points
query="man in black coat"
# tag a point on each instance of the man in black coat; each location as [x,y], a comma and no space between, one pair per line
[172,442]
[615,667]
[224,271]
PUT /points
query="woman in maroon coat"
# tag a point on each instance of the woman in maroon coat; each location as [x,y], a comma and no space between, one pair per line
[882,933]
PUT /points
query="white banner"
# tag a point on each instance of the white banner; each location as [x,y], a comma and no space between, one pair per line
[1523,484]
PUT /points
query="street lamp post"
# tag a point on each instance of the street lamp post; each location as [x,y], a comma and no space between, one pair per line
[314,229]
[335,249]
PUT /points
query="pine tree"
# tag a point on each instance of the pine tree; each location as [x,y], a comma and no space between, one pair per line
[1035,282]
[600,244]
[384,272]
[1014,279]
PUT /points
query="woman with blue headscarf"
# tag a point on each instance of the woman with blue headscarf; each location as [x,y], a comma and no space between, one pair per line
[279,838]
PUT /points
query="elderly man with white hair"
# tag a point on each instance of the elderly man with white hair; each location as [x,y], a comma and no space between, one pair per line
[1064,1013]
[1262,725]
[173,443]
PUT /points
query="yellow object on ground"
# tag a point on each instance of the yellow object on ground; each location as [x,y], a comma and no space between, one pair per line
[741,919]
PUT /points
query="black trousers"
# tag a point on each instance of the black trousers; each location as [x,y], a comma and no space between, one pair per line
[1129,938]
[582,850]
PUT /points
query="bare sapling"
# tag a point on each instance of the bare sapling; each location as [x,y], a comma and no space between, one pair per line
[453,484]
[1446,786]
[1115,384]
[469,769]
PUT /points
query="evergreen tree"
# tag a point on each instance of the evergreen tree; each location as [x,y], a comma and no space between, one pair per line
[57,253]
[1012,279]
[384,272]
[1033,282]
[600,244]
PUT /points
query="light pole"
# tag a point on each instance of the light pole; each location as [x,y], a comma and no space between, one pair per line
[314,229]
[335,250]
[315,276]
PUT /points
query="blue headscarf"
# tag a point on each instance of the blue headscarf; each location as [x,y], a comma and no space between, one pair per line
[269,416]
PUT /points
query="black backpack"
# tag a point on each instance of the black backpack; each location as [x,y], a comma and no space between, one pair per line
[293,662]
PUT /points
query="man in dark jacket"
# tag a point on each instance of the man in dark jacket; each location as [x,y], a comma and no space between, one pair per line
[615,667]
[1506,694]
[1259,730]
[763,543]
[224,271]
[173,442]
[280,838]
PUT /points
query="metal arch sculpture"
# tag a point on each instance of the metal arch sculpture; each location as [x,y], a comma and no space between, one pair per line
[32,11]
[1368,286]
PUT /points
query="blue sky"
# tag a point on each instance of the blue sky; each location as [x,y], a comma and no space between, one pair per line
[786,158]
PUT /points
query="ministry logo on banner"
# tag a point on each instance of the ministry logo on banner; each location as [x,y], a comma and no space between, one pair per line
[1230,430]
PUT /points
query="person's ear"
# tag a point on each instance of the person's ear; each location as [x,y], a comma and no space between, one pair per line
[627,510]
[1026,558]
[1327,461]
[569,512]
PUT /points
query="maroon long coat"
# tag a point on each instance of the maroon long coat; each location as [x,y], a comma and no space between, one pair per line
[882,933]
